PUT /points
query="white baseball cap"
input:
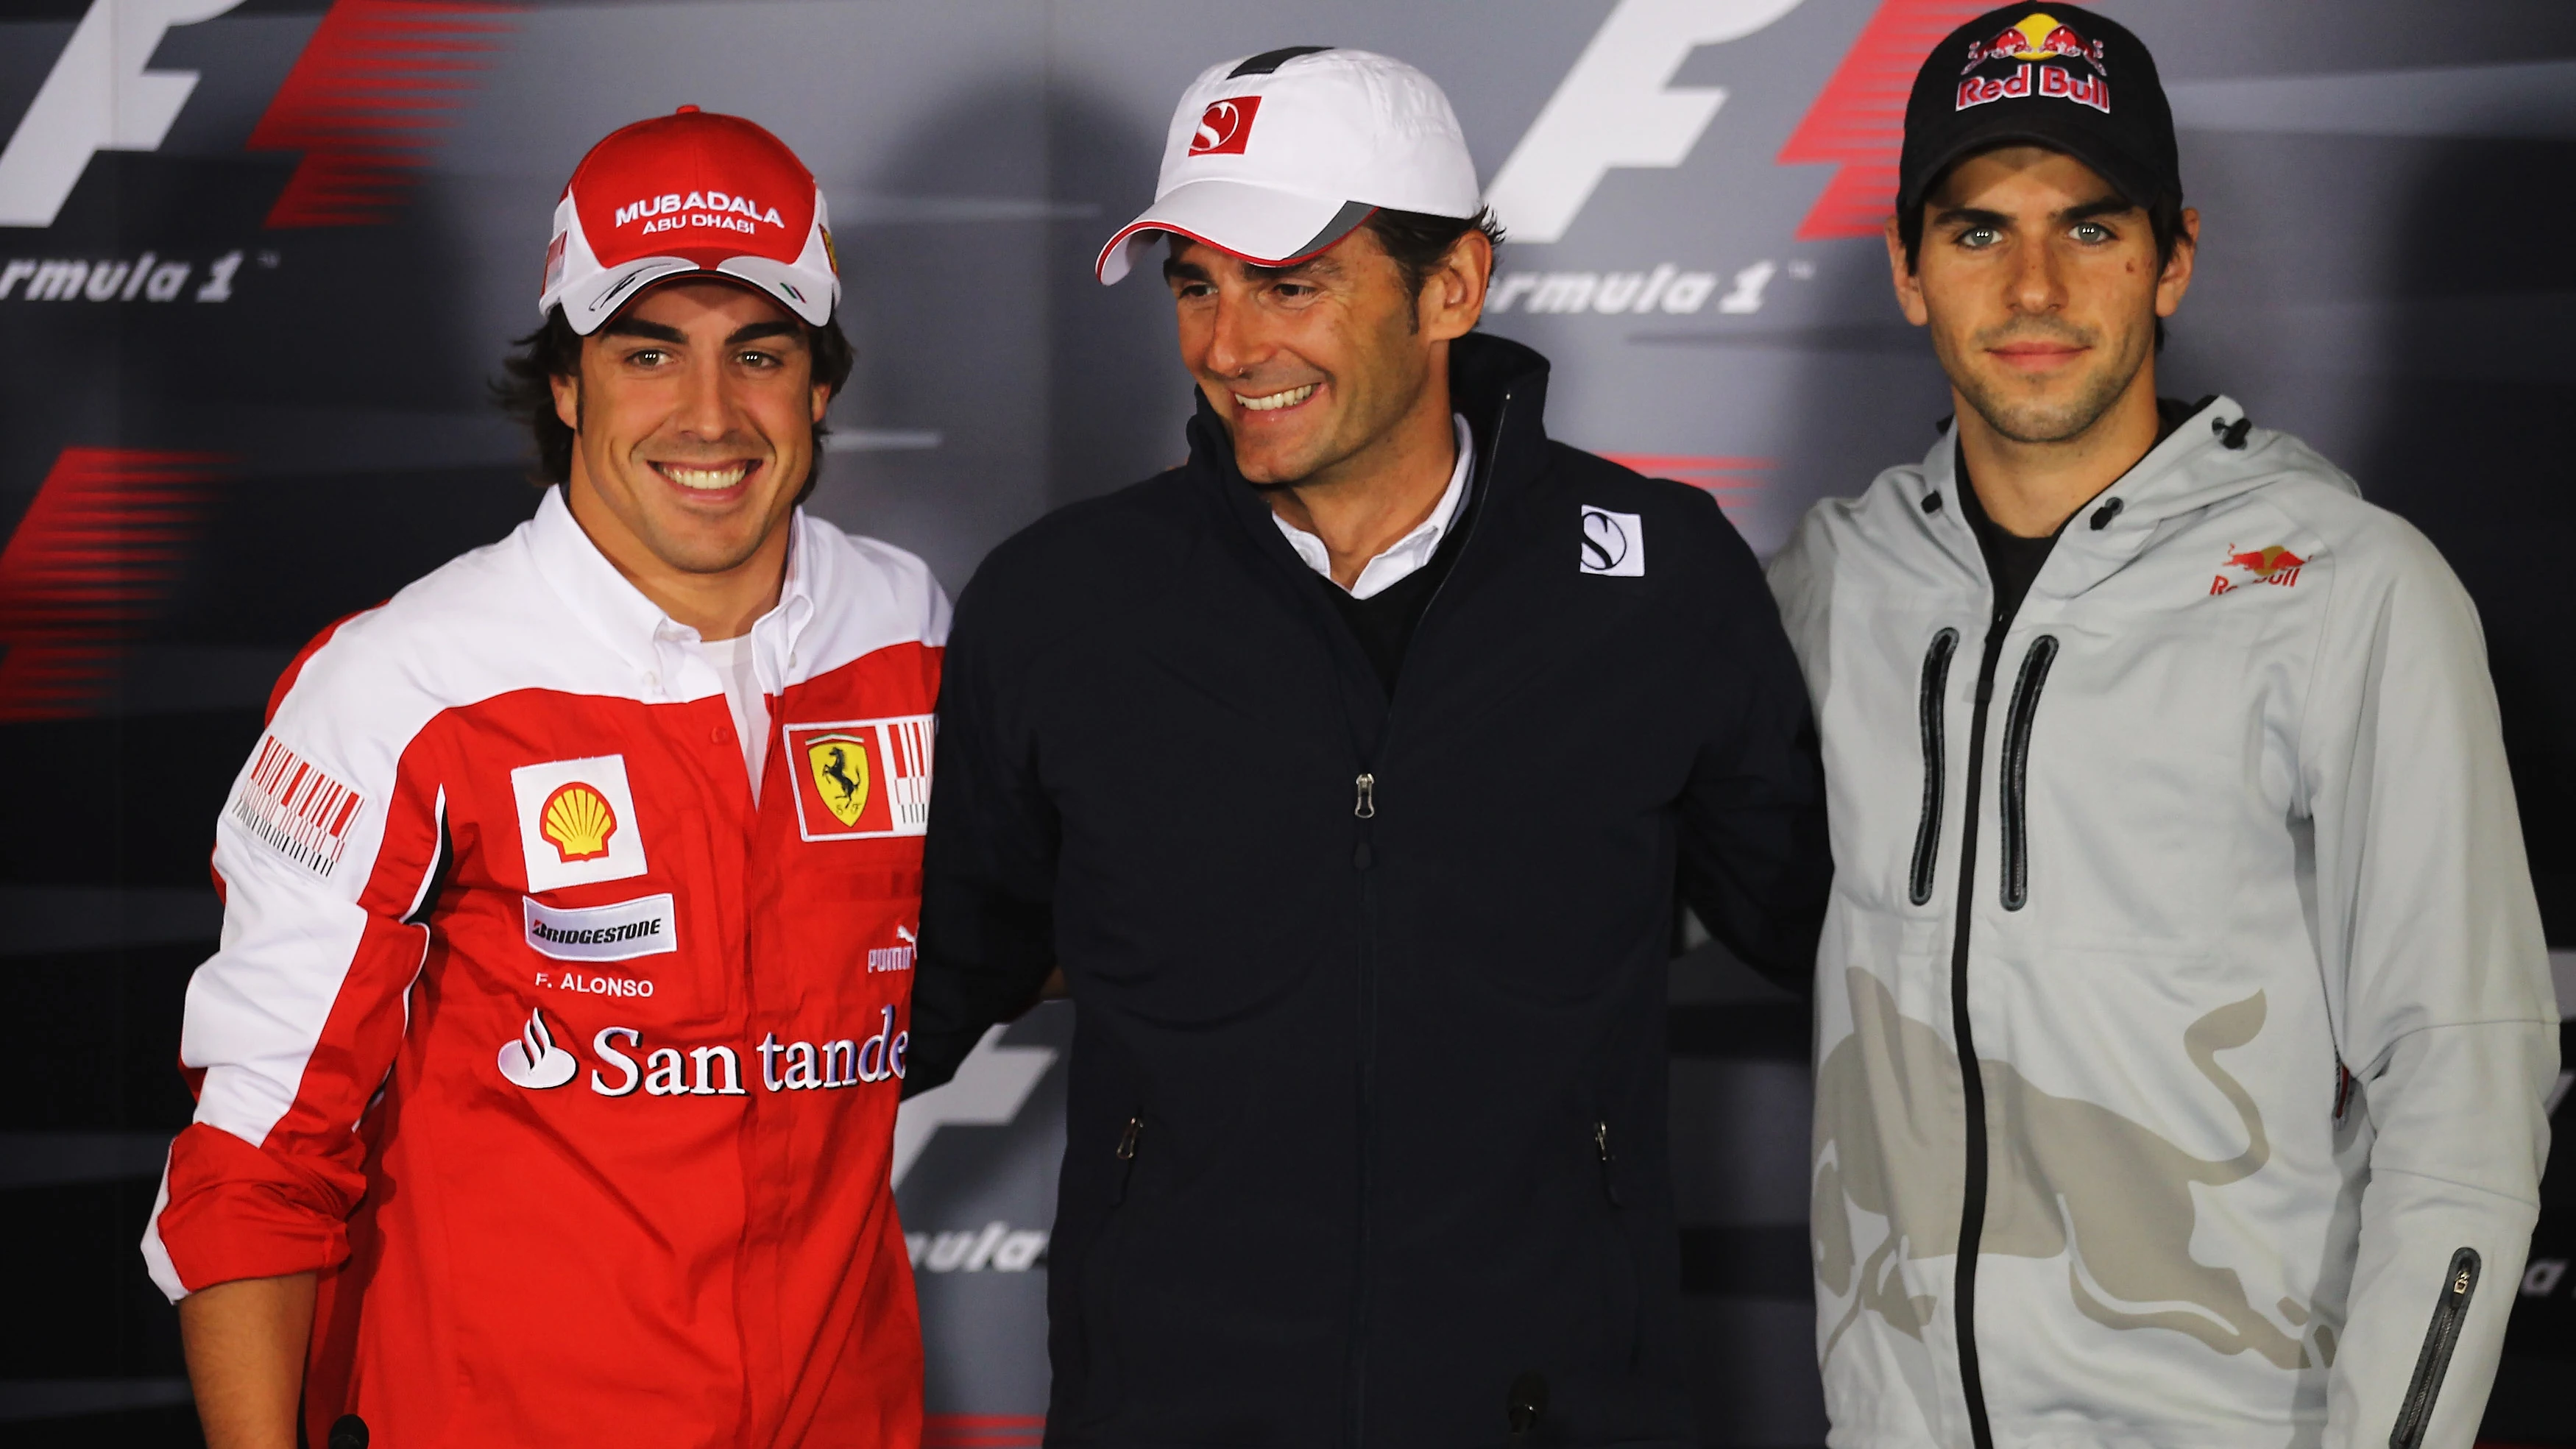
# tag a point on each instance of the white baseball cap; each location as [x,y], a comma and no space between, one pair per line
[1275,157]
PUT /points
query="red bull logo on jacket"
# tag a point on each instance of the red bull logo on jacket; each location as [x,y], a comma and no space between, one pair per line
[2040,37]
[2271,565]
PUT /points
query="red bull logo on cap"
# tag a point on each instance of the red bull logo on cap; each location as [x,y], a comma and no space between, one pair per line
[2038,38]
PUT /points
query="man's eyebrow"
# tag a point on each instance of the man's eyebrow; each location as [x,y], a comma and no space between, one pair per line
[754,331]
[1322,264]
[2104,206]
[1969,217]
[1176,270]
[638,327]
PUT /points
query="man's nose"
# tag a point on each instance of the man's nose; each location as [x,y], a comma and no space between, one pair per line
[2038,285]
[706,410]
[1235,341]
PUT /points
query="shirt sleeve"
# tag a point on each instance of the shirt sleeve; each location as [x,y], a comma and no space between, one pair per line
[1755,862]
[327,853]
[987,903]
[2439,974]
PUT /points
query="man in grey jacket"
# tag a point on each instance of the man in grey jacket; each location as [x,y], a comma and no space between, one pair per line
[2184,1016]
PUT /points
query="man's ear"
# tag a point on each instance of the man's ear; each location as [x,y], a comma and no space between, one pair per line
[567,391]
[1909,285]
[1453,297]
[2176,278]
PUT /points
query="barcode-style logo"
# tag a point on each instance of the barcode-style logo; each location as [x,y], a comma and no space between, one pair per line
[301,812]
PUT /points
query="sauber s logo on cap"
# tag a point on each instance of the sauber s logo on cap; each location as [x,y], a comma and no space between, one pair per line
[1224,127]
[862,778]
[577,822]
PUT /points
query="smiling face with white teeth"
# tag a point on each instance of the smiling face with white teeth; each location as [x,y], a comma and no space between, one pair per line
[693,431]
[1318,368]
[1332,379]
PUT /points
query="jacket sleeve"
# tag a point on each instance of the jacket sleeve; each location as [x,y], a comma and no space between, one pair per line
[988,885]
[1755,864]
[2439,977]
[324,853]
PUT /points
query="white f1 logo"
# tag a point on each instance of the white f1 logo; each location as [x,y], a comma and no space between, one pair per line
[98,98]
[1615,108]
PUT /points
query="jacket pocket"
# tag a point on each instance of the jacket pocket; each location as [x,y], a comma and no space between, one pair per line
[1935,704]
[1101,1276]
[2016,769]
[1624,1303]
[2415,1411]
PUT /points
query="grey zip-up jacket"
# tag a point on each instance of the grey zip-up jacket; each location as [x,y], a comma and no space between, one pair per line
[2208,860]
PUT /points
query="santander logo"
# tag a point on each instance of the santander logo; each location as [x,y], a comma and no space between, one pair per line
[534,1061]
[1224,127]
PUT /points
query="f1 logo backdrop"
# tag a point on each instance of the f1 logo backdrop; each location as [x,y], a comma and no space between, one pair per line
[259,258]
[98,97]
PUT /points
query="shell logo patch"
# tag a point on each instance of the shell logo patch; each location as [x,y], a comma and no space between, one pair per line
[840,765]
[862,779]
[577,822]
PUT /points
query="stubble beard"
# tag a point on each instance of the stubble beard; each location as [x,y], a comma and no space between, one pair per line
[2028,420]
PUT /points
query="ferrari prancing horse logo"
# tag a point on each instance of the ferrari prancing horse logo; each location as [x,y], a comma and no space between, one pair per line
[862,779]
[840,764]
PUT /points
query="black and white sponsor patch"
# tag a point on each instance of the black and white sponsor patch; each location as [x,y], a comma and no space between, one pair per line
[295,807]
[646,926]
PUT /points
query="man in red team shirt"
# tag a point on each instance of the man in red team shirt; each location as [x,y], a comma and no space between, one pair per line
[547,1072]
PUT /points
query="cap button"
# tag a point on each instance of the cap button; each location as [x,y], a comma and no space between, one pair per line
[686,111]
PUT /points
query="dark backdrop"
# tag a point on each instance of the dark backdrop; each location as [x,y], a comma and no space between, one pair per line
[242,379]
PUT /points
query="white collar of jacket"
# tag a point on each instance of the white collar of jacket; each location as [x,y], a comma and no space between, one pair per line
[667,656]
[2191,470]
[1406,556]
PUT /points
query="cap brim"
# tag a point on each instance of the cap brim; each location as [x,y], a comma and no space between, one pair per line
[2133,179]
[1260,225]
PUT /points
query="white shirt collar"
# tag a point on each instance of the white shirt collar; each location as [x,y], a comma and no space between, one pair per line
[1407,554]
[667,655]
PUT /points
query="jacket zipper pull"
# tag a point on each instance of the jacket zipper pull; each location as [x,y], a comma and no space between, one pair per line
[1609,1180]
[1365,807]
[1127,1157]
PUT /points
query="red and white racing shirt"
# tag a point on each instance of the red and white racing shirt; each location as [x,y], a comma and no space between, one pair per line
[570,1067]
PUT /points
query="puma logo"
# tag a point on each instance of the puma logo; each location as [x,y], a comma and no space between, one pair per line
[2065,1177]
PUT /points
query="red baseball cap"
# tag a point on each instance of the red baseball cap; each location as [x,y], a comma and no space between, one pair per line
[689,192]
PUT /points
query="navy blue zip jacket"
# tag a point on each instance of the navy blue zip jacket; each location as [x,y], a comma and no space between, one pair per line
[1367,1109]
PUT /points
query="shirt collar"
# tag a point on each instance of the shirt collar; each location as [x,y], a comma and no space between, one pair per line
[1405,556]
[659,648]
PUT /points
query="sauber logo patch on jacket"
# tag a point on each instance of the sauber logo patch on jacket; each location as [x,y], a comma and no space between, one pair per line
[1613,543]
[619,932]
[863,778]
[577,822]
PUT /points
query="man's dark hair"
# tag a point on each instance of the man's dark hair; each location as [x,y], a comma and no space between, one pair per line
[1418,241]
[525,390]
[2164,219]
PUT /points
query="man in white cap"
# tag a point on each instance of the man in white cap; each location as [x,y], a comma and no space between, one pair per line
[547,1072]
[1346,772]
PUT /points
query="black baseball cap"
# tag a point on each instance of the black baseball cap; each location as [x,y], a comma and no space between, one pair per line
[2054,76]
